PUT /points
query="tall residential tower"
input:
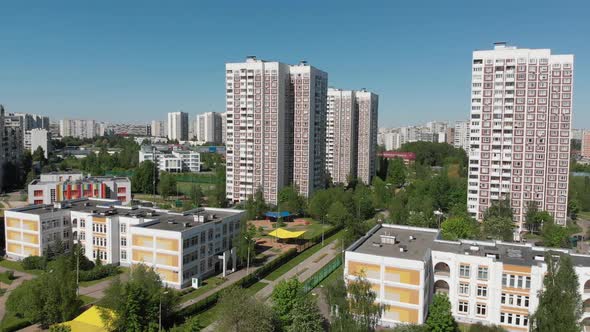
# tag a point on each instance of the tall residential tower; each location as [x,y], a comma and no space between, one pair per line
[521,110]
[368,104]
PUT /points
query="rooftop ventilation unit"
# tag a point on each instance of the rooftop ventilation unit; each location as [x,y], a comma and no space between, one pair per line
[403,249]
[474,248]
[388,239]
[412,237]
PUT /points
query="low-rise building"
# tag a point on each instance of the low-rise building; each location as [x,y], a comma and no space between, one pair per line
[490,282]
[181,247]
[62,186]
[173,161]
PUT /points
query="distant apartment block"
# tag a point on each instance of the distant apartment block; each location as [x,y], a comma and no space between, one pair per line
[341,135]
[207,127]
[173,161]
[80,128]
[179,246]
[461,139]
[11,138]
[178,126]
[586,144]
[58,187]
[223,127]
[487,282]
[38,138]
[521,110]
[158,128]
[368,105]
[33,121]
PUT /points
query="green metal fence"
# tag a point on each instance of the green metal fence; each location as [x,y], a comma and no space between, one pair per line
[322,274]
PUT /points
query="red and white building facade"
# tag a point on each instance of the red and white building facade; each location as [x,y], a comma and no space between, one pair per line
[585,145]
[341,135]
[521,110]
[274,128]
[368,105]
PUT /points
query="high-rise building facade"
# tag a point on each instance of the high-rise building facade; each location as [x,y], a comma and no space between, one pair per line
[520,126]
[178,126]
[586,144]
[207,127]
[341,135]
[461,136]
[79,128]
[368,104]
[38,138]
[309,88]
[258,152]
[275,128]
[158,128]
[223,126]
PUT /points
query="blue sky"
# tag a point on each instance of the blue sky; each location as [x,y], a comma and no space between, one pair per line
[133,61]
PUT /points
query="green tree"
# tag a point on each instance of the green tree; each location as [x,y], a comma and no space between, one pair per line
[531,210]
[479,327]
[136,302]
[143,178]
[31,176]
[192,324]
[396,172]
[498,228]
[39,156]
[196,195]
[560,304]
[50,298]
[167,185]
[290,200]
[256,205]
[573,208]
[363,202]
[456,228]
[284,297]
[306,316]
[555,235]
[362,305]
[499,208]
[381,194]
[410,328]
[440,317]
[243,312]
[319,204]
[338,215]
[60,328]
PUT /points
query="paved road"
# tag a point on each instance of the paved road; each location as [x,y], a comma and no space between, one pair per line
[21,277]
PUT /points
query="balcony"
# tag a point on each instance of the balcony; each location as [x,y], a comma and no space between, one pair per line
[441,286]
[442,269]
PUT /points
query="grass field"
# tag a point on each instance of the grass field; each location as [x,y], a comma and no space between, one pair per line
[208,284]
[301,257]
[4,278]
[87,299]
[10,321]
[584,215]
[18,267]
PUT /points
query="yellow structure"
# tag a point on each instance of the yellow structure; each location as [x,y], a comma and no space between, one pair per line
[89,321]
[285,234]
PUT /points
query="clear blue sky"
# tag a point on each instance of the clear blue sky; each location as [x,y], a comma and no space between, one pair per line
[137,60]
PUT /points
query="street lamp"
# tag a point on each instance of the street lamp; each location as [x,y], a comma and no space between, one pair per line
[160,316]
[438,214]
[248,260]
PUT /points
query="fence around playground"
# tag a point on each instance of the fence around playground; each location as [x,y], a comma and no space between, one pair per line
[322,274]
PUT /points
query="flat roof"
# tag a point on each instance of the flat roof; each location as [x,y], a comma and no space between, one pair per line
[82,180]
[379,241]
[179,222]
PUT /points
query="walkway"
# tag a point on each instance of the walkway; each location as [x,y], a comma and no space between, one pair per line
[20,278]
[305,270]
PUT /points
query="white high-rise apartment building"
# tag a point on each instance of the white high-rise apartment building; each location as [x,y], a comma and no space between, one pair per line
[309,90]
[259,153]
[223,126]
[521,111]
[36,138]
[78,128]
[158,128]
[341,135]
[178,126]
[461,137]
[275,131]
[368,104]
[207,128]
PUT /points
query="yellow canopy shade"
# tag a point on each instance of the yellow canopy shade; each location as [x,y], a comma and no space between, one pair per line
[88,321]
[285,234]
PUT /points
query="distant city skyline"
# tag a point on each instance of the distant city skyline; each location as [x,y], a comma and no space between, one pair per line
[72,60]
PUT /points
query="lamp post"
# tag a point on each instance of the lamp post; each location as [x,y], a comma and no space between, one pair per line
[438,214]
[160,316]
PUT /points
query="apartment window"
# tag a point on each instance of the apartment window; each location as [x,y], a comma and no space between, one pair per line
[124,254]
[464,271]
[482,273]
[481,309]
[123,228]
[463,289]
[123,242]
[463,307]
[482,291]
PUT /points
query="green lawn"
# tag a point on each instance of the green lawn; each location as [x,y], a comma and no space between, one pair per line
[584,215]
[18,267]
[12,323]
[94,282]
[312,230]
[4,279]
[87,299]
[208,284]
[252,290]
[301,257]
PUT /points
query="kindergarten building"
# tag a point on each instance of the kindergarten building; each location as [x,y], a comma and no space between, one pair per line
[181,247]
[487,282]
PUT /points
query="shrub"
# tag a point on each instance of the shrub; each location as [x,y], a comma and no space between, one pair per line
[10,274]
[34,263]
[99,272]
